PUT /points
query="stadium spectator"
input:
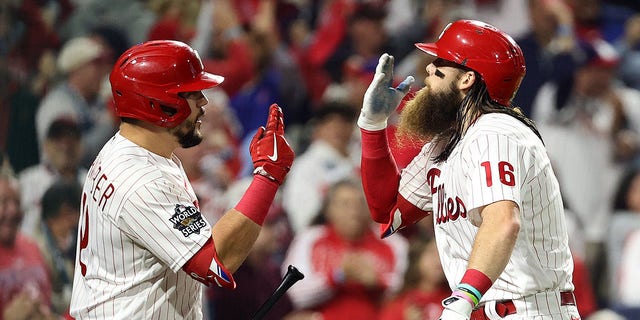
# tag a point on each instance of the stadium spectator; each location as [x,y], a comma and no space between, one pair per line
[348,269]
[62,152]
[25,283]
[628,293]
[629,48]
[82,61]
[590,128]
[624,221]
[424,285]
[223,45]
[328,159]
[548,49]
[57,241]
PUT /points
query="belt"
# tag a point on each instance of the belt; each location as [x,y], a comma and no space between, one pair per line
[507,307]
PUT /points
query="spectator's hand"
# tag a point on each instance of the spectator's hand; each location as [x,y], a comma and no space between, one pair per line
[413,312]
[381,99]
[626,144]
[264,20]
[560,11]
[632,31]
[434,10]
[22,307]
[564,40]
[299,33]
[271,154]
[455,308]
[225,16]
[304,315]
[360,268]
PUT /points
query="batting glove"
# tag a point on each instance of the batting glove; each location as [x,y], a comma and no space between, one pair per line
[456,308]
[381,99]
[270,152]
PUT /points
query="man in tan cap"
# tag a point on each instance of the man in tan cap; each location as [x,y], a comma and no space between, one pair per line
[82,63]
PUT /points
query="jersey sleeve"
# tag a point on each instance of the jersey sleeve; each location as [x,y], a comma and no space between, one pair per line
[494,169]
[162,218]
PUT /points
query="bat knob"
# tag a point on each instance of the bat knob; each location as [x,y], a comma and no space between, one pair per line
[295,273]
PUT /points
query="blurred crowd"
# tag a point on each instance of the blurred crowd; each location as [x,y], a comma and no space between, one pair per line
[315,58]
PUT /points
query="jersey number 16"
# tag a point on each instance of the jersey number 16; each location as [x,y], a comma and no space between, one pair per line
[505,173]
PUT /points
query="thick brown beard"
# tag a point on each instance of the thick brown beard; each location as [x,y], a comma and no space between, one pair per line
[428,114]
[187,134]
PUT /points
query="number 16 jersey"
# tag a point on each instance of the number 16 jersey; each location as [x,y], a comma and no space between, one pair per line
[499,158]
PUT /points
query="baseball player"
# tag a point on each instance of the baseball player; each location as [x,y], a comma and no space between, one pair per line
[482,173]
[143,245]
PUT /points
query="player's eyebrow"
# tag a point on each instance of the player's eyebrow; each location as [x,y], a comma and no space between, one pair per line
[439,62]
[190,94]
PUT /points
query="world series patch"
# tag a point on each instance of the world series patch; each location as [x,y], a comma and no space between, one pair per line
[187,219]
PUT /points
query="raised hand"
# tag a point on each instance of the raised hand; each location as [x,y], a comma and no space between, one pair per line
[381,99]
[270,152]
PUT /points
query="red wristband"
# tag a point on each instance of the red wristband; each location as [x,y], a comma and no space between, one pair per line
[257,199]
[477,279]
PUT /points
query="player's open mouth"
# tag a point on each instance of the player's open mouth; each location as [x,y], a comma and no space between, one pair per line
[200,116]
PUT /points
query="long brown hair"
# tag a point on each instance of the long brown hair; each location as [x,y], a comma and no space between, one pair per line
[476,103]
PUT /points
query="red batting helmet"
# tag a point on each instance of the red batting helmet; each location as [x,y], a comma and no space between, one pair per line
[147,78]
[485,49]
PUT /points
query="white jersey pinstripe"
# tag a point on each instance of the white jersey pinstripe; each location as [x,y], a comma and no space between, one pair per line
[138,226]
[499,158]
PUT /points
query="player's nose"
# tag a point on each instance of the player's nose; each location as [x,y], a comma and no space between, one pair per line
[203,101]
[431,69]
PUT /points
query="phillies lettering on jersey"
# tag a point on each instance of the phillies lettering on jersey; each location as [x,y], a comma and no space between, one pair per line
[499,158]
[449,208]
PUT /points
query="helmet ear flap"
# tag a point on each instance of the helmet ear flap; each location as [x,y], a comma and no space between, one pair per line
[169,111]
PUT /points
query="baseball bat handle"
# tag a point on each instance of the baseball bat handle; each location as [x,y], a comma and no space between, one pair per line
[291,277]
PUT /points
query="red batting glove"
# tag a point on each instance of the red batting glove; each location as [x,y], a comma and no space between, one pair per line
[270,152]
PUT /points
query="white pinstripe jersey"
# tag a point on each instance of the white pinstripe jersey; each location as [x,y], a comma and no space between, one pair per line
[139,225]
[499,158]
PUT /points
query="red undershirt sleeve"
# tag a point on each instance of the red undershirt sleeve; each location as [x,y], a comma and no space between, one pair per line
[380,175]
[205,267]
[381,181]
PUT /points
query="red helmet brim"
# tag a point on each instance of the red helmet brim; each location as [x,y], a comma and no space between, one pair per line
[204,81]
[428,48]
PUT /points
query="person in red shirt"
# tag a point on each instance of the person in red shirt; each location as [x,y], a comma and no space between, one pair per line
[424,286]
[24,281]
[348,269]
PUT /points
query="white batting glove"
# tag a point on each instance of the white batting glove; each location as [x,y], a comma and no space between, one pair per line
[381,99]
[456,308]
